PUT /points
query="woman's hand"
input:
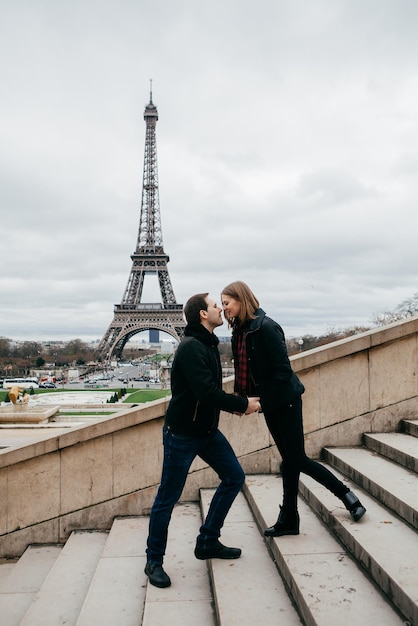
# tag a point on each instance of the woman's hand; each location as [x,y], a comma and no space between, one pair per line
[253,406]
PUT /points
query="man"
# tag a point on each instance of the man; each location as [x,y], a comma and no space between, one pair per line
[190,430]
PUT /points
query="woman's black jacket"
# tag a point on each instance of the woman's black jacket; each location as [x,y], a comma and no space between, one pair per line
[270,373]
[196,385]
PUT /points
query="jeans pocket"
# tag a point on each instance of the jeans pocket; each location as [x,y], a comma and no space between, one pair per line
[183,438]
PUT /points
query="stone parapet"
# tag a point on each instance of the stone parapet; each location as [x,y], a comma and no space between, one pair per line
[368,376]
[86,476]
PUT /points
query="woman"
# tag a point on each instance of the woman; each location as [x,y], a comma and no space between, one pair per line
[262,368]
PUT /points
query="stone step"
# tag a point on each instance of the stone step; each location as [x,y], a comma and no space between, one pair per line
[398,447]
[393,485]
[117,591]
[324,580]
[410,427]
[188,601]
[248,590]
[61,596]
[334,571]
[6,567]
[22,583]
[381,542]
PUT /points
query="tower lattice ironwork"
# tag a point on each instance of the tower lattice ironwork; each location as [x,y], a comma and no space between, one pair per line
[132,316]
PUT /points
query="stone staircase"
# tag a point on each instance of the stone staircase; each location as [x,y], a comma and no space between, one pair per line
[335,572]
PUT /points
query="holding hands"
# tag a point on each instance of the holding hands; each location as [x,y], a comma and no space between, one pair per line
[253,406]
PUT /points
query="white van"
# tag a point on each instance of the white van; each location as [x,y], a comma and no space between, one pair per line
[25,383]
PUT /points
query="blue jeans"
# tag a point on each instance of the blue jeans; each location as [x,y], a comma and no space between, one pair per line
[179,453]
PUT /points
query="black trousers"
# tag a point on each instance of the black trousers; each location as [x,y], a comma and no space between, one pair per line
[286,427]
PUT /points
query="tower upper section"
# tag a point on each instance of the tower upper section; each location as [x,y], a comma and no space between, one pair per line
[150,238]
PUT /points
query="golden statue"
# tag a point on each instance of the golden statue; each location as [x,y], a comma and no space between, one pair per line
[16,392]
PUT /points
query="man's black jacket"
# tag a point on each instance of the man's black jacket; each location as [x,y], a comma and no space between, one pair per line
[196,385]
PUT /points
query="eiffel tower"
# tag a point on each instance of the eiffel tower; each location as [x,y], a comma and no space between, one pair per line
[132,316]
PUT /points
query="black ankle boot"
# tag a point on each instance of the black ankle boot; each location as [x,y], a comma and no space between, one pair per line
[287,524]
[353,504]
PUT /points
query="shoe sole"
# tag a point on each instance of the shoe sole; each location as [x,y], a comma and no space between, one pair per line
[159,585]
[282,534]
[216,556]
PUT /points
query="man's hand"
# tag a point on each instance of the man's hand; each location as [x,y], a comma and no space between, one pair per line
[253,406]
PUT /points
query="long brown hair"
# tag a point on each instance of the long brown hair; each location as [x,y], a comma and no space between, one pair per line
[249,304]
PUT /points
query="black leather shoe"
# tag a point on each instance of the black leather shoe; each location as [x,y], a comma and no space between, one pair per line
[287,524]
[353,505]
[157,575]
[218,551]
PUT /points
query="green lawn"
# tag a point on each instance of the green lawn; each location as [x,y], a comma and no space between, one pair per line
[133,395]
[146,395]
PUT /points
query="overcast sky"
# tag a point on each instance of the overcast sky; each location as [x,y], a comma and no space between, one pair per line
[287,154]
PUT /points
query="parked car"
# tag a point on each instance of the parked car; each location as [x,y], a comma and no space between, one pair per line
[47,386]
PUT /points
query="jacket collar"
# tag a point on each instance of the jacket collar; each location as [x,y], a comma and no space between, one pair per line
[200,332]
[254,324]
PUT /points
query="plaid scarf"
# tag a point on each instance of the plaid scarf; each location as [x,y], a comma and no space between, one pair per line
[241,365]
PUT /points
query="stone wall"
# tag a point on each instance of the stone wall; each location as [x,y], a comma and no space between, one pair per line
[84,478]
[366,383]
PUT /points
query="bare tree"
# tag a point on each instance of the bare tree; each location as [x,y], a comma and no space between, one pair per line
[407,308]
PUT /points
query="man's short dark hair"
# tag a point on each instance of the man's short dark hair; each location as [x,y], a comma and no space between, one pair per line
[193,306]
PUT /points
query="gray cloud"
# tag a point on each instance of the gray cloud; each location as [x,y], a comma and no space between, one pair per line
[286,147]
